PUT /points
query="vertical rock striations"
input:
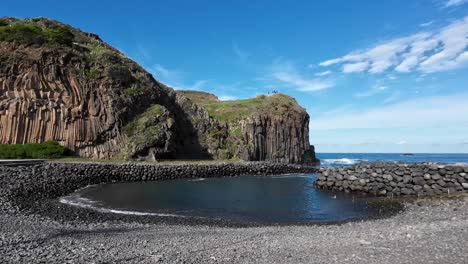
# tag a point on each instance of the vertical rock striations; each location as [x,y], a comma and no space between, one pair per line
[273,128]
[59,83]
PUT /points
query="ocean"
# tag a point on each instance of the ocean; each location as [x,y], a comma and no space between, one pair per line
[343,159]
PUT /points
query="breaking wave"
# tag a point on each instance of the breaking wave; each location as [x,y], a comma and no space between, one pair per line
[90,204]
[343,161]
[198,179]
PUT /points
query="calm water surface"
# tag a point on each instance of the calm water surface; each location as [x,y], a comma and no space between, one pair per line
[277,199]
[272,199]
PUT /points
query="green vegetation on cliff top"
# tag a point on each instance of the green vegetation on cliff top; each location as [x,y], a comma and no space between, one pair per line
[29,32]
[144,124]
[234,110]
[102,60]
[200,98]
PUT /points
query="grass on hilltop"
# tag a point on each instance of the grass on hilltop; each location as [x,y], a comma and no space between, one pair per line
[200,98]
[28,32]
[234,110]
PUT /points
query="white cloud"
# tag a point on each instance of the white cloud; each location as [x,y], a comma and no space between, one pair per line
[227,97]
[426,24]
[174,79]
[373,91]
[442,50]
[161,71]
[451,3]
[198,86]
[355,67]
[418,113]
[402,142]
[288,75]
[324,73]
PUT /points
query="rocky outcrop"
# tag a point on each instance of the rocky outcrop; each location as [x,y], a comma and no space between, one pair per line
[83,96]
[273,128]
[276,138]
[59,83]
[395,179]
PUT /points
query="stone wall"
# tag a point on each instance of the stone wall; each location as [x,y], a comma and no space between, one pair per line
[394,179]
[52,180]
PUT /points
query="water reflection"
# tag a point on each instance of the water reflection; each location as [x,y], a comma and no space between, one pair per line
[278,199]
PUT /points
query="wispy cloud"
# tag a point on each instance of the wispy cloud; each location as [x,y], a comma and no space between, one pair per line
[426,24]
[287,74]
[197,85]
[240,53]
[160,71]
[393,97]
[442,50]
[355,67]
[340,109]
[175,79]
[451,3]
[418,113]
[373,91]
[324,73]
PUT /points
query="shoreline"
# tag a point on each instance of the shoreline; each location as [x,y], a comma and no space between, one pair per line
[36,189]
[427,226]
[41,195]
[428,231]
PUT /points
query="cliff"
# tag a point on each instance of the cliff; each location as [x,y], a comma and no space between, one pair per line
[272,127]
[59,83]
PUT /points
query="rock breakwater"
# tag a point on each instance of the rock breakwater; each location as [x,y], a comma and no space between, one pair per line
[395,179]
[51,180]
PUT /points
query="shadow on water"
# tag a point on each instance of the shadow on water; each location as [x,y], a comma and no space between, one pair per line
[284,199]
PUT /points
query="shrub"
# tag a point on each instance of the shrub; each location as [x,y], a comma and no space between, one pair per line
[29,33]
[92,73]
[48,149]
[3,22]
[24,33]
[61,35]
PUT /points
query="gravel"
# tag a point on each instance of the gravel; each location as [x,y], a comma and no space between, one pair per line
[429,230]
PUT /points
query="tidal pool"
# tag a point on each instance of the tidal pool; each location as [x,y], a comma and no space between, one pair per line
[260,199]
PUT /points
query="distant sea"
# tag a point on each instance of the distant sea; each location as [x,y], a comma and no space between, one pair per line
[343,159]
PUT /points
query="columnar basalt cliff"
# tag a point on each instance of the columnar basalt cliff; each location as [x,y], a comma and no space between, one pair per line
[272,127]
[59,83]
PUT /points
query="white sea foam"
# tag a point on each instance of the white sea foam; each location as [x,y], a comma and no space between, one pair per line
[291,176]
[343,161]
[90,204]
[199,179]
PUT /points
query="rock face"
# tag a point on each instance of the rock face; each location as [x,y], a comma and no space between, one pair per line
[273,128]
[59,83]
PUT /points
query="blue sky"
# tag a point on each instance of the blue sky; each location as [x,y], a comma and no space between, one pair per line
[375,76]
